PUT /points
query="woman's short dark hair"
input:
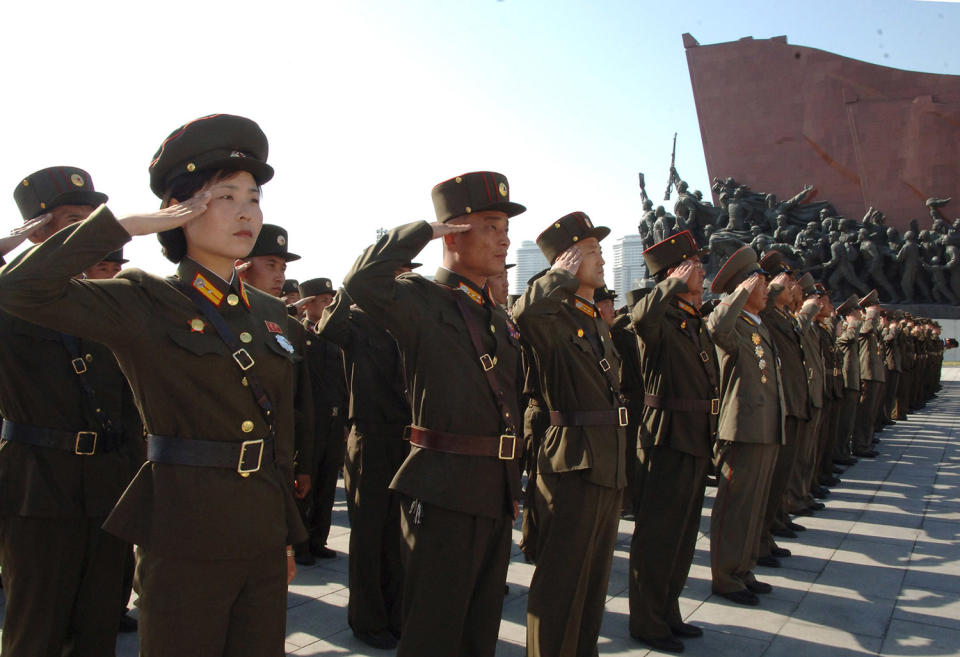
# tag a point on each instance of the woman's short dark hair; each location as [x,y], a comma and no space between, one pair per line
[181,188]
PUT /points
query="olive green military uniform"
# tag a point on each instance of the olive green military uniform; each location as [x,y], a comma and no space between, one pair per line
[832,397]
[580,466]
[749,436]
[631,386]
[378,412]
[456,508]
[678,363]
[893,361]
[807,469]
[872,375]
[199,529]
[536,421]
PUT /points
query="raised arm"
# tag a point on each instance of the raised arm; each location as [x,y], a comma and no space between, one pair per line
[722,322]
[335,324]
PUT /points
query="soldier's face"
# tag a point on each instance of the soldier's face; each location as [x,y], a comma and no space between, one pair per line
[63,216]
[482,250]
[266,273]
[758,296]
[314,307]
[103,269]
[591,265]
[291,297]
[499,288]
[230,225]
[605,308]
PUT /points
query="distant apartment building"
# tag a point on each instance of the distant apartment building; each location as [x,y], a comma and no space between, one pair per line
[530,260]
[628,266]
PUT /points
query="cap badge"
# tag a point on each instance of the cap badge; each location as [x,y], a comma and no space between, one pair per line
[77,179]
[503,189]
[328,284]
[281,240]
[191,167]
[237,154]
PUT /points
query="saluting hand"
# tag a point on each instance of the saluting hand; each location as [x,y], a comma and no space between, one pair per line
[569,260]
[173,216]
[684,271]
[20,233]
[751,283]
[441,229]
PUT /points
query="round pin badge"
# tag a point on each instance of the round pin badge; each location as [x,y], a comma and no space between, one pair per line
[281,240]
[77,180]
[503,189]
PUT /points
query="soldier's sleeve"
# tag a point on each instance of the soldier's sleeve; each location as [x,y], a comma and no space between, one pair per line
[722,322]
[848,335]
[647,314]
[806,316]
[303,407]
[546,295]
[38,285]
[335,324]
[390,301]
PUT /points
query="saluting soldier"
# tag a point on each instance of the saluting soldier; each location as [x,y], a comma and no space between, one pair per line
[461,356]
[378,412]
[678,363]
[750,428]
[824,326]
[848,349]
[70,445]
[580,465]
[872,374]
[631,387]
[805,483]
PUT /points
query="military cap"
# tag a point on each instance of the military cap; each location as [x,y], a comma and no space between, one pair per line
[316,286]
[773,263]
[116,256]
[210,143]
[672,252]
[290,285]
[870,300]
[773,291]
[739,267]
[49,188]
[473,192]
[272,241]
[567,231]
[807,284]
[604,293]
[821,289]
[848,306]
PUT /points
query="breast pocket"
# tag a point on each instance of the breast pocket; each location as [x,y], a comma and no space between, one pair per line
[199,343]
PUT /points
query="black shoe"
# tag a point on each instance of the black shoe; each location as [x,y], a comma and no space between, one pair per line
[304,558]
[663,644]
[744,597]
[796,527]
[849,460]
[838,470]
[127,623]
[686,630]
[779,552]
[323,552]
[817,506]
[768,561]
[627,515]
[506,589]
[868,454]
[784,533]
[802,512]
[759,587]
[820,492]
[888,421]
[381,639]
[712,482]
[828,481]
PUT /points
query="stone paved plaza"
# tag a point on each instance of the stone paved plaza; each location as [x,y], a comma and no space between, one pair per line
[877,572]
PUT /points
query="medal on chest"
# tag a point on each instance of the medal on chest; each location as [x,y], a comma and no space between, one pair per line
[284,343]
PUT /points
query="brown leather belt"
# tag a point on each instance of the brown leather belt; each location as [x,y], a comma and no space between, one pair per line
[711,406]
[615,418]
[503,447]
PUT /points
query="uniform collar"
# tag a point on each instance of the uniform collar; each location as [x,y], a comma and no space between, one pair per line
[454,280]
[210,285]
[687,307]
[586,307]
[755,319]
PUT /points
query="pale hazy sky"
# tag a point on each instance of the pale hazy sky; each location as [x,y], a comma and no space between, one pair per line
[368,104]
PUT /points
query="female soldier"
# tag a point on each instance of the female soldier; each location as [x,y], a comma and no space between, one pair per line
[212,372]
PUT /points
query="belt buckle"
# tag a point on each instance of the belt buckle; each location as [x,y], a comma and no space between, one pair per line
[704,356]
[501,454]
[83,439]
[79,366]
[244,360]
[623,416]
[486,362]
[241,469]
[604,364]
[715,406]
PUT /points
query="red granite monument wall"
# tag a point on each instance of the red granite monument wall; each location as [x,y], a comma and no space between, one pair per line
[778,116]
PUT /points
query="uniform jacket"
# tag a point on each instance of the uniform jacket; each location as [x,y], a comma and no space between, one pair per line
[786,334]
[751,409]
[813,362]
[849,350]
[568,340]
[871,353]
[185,384]
[832,361]
[677,360]
[445,380]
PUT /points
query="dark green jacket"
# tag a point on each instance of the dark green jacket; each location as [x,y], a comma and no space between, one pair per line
[786,335]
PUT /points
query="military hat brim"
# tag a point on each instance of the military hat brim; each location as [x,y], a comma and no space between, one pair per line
[871,299]
[848,306]
[666,254]
[735,270]
[79,197]
[509,208]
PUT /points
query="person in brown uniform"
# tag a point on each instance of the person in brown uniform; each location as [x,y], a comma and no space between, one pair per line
[750,429]
[212,373]
[805,484]
[461,356]
[893,361]
[69,448]
[872,374]
[848,353]
[580,465]
[631,387]
[678,363]
[377,413]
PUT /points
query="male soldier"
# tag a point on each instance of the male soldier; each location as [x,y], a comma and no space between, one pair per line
[108,267]
[893,361]
[580,469]
[631,387]
[872,374]
[290,293]
[500,286]
[378,413]
[785,332]
[848,352]
[678,363]
[750,428]
[461,355]
[330,397]
[805,480]
[603,299]
[833,390]
[67,454]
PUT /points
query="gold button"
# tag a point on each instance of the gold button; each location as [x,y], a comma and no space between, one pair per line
[459,179]
[88,358]
[673,241]
[575,238]
[246,337]
[556,225]
[493,329]
[244,381]
[43,206]
[233,299]
[26,183]
[469,210]
[247,426]
[191,167]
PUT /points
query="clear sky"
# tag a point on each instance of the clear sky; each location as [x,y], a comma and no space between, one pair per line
[368,104]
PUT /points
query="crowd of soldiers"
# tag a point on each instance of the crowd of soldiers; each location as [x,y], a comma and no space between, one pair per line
[213,435]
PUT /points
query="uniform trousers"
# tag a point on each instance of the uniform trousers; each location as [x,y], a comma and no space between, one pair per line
[670,488]
[903,394]
[846,422]
[62,578]
[578,531]
[866,416]
[635,415]
[376,564]
[776,489]
[212,607]
[744,472]
[535,423]
[806,470]
[829,420]
[890,396]
[316,510]
[455,567]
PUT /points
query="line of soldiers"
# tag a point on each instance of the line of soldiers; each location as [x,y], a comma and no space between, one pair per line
[435,399]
